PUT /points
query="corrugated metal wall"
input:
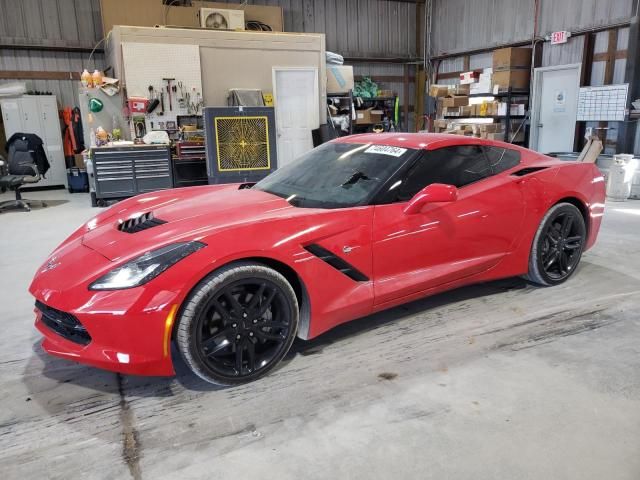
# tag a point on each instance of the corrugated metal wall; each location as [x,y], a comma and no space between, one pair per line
[353,28]
[574,15]
[66,23]
[464,25]
[66,91]
[50,23]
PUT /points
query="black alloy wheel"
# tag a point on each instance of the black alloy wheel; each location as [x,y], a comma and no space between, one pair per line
[558,245]
[238,324]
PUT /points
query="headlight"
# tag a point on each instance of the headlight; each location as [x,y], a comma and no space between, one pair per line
[146,267]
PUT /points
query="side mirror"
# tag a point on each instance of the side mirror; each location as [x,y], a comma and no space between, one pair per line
[434,193]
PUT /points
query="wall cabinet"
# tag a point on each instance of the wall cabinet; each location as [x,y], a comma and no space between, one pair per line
[38,114]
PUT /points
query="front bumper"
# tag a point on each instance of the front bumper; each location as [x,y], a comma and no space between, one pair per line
[127,330]
[116,353]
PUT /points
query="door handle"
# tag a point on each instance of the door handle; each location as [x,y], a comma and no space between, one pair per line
[539,125]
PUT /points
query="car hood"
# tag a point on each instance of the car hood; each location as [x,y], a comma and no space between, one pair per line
[189,214]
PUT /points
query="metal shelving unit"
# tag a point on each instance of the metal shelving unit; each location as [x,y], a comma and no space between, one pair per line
[344,96]
[508,95]
[389,110]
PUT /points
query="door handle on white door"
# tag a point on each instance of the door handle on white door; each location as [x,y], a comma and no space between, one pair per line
[539,125]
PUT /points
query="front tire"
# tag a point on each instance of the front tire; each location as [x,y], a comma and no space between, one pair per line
[557,246]
[237,324]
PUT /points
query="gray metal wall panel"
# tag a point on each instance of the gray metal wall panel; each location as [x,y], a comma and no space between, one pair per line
[463,25]
[563,54]
[481,60]
[354,27]
[582,14]
[66,91]
[73,23]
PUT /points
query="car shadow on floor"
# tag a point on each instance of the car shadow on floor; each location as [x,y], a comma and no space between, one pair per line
[65,371]
[374,321]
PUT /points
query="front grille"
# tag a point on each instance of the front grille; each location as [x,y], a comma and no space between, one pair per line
[137,224]
[64,324]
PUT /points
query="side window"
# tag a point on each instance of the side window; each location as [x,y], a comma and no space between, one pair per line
[459,166]
[501,159]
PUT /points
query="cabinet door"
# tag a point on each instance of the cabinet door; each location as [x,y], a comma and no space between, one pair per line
[31,115]
[51,125]
[12,117]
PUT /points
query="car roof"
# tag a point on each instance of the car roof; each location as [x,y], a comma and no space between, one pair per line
[426,141]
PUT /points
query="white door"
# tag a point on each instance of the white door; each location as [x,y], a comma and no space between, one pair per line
[12,116]
[51,134]
[31,115]
[296,100]
[555,108]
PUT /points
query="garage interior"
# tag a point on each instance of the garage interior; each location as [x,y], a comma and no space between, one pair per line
[498,380]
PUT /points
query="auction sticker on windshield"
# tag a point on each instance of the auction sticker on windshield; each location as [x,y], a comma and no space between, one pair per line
[386,150]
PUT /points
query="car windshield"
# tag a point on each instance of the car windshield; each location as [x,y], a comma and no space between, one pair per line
[335,175]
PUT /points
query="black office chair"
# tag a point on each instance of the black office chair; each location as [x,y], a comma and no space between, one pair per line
[22,169]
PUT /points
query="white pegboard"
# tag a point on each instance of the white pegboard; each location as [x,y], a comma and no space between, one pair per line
[606,103]
[148,63]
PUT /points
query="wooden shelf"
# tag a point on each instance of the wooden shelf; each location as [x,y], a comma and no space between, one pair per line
[518,93]
[500,117]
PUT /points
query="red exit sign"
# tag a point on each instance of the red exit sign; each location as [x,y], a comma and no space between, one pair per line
[560,37]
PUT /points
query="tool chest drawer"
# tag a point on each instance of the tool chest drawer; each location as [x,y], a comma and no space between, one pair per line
[126,171]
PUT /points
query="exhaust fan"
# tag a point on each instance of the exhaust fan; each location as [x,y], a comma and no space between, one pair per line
[221,19]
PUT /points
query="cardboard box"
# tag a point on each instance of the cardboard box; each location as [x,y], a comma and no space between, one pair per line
[456,101]
[510,58]
[518,79]
[339,78]
[490,127]
[78,160]
[469,77]
[148,13]
[363,117]
[451,111]
[591,150]
[376,115]
[495,136]
[438,90]
[466,111]
[516,109]
[460,89]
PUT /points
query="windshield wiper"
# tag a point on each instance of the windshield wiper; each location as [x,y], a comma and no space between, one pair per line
[354,178]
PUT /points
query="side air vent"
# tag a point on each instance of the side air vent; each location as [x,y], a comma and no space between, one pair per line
[143,222]
[526,171]
[336,262]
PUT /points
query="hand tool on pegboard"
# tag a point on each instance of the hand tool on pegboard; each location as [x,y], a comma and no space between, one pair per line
[169,80]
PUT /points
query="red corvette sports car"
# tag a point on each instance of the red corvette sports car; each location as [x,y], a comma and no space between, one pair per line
[233,273]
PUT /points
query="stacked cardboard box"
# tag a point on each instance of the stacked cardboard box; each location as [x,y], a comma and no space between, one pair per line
[495,131]
[511,68]
[516,109]
[484,83]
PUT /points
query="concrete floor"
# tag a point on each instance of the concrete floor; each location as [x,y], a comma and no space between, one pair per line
[501,380]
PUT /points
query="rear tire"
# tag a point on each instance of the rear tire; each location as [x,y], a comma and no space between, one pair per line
[557,246]
[237,324]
